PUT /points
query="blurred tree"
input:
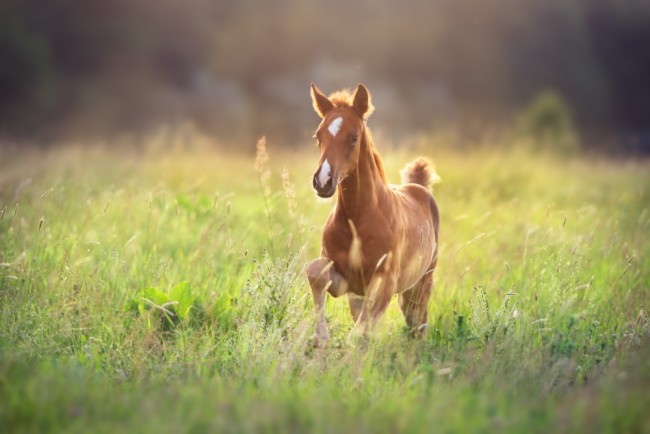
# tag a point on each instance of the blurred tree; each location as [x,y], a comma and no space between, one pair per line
[620,33]
[25,55]
[548,123]
[99,65]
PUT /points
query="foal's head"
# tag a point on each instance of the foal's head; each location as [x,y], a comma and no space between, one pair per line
[339,135]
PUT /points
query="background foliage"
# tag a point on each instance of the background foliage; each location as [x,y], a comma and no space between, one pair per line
[242,69]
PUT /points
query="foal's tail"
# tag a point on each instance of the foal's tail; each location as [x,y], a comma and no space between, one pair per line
[420,171]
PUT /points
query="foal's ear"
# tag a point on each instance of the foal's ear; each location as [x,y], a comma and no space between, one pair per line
[361,102]
[321,103]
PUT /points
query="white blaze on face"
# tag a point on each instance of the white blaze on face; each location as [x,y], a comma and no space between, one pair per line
[324,174]
[334,126]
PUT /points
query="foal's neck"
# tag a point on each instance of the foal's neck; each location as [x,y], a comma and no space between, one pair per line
[363,188]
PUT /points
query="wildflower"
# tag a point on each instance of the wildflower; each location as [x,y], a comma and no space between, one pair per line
[290,193]
[261,159]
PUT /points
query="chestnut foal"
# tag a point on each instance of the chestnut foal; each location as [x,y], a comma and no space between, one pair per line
[380,239]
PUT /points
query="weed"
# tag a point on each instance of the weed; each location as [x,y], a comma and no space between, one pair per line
[167,293]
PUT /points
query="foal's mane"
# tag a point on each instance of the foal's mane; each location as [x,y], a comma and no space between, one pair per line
[344,98]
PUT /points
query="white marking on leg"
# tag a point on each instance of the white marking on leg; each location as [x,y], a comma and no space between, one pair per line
[334,126]
[324,174]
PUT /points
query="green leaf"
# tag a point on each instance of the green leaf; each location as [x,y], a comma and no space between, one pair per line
[155,295]
[182,293]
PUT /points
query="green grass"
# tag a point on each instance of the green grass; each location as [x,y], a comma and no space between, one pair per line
[162,291]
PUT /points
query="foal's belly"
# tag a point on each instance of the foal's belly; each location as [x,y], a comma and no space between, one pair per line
[414,256]
[412,271]
[416,250]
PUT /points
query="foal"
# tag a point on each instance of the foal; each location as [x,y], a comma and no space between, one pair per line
[380,239]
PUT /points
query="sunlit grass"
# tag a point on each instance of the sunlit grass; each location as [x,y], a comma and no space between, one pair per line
[163,291]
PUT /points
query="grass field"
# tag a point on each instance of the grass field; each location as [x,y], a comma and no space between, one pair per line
[162,291]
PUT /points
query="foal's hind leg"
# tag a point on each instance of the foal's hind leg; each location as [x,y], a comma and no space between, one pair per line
[415,304]
[323,278]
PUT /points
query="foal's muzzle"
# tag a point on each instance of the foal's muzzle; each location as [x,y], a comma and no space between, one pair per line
[328,188]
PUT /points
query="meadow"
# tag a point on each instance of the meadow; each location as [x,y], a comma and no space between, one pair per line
[162,290]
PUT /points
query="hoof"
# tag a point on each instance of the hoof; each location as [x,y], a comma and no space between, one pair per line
[319,342]
[358,338]
[420,331]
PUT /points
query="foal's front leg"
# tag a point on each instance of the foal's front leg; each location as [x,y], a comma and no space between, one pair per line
[356,303]
[381,290]
[323,278]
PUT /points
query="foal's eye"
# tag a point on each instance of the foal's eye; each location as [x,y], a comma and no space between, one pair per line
[353,139]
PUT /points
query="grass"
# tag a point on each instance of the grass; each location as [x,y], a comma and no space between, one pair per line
[162,291]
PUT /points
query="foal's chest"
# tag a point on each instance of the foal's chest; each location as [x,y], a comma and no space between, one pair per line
[374,242]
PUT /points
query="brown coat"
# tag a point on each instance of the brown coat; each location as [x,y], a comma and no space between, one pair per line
[380,239]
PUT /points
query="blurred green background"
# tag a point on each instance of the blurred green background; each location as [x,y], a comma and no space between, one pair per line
[81,68]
